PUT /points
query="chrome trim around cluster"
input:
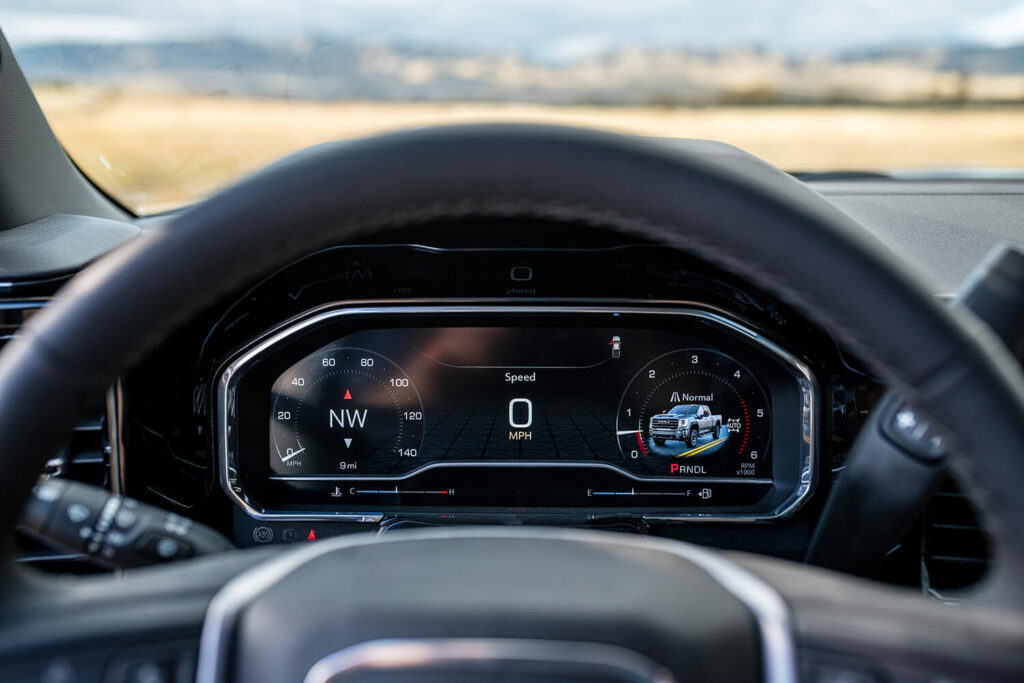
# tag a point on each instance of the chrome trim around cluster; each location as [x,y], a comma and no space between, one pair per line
[330,312]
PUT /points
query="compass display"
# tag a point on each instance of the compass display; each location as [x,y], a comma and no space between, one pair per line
[344,410]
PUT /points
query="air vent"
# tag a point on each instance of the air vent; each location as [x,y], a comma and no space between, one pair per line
[178,468]
[86,457]
[954,546]
[13,314]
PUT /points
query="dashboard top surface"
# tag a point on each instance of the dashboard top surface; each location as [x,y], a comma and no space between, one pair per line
[944,227]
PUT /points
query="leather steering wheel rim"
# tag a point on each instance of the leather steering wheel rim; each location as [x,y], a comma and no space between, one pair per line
[741,214]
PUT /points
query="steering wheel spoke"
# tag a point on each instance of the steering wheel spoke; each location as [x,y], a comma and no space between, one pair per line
[868,631]
[100,624]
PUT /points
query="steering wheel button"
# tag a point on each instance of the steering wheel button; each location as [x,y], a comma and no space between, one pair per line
[164,664]
[116,538]
[177,524]
[164,548]
[60,671]
[78,513]
[47,492]
[150,672]
[914,433]
[126,518]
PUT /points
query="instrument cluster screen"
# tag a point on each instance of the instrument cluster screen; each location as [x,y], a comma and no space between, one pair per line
[492,410]
[391,401]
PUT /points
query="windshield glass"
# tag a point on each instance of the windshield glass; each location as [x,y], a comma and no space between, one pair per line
[164,103]
[684,410]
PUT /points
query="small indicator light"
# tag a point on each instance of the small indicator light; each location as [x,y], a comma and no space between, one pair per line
[348,395]
[311,536]
[521,273]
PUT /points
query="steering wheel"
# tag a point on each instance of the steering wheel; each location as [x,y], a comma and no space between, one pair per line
[538,604]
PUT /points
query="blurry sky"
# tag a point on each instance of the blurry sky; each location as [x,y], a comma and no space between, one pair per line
[551,30]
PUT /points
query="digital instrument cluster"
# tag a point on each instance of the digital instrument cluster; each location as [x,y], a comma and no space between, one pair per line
[476,410]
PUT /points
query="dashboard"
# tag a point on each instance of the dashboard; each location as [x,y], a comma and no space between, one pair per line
[562,301]
[583,381]
[471,410]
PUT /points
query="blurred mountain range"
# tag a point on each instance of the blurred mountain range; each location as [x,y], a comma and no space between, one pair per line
[339,70]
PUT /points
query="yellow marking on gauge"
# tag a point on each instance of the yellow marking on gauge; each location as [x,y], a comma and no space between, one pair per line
[701,449]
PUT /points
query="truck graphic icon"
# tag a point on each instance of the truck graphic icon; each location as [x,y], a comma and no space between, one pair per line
[687,422]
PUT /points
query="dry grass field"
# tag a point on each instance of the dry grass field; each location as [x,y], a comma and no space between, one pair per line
[158,151]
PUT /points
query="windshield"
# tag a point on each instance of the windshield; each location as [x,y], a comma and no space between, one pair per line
[684,410]
[164,103]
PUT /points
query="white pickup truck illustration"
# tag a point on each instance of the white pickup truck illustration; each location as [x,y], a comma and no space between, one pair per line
[687,422]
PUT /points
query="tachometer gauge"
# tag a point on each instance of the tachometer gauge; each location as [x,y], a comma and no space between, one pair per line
[344,411]
[695,412]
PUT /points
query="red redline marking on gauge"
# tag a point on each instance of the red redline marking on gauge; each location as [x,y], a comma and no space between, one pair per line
[640,441]
[746,427]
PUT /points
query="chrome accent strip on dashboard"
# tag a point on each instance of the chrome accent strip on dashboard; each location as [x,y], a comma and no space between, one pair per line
[578,659]
[23,303]
[769,609]
[328,312]
[115,436]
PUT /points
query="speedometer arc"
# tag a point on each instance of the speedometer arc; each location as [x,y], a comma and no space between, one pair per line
[344,409]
